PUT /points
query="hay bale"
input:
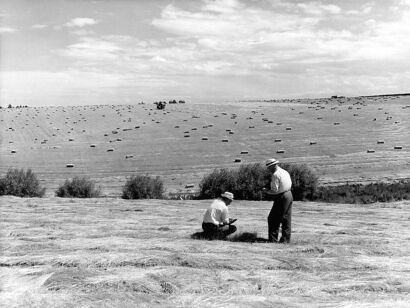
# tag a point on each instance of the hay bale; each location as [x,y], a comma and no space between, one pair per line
[251,126]
[237,160]
[225,140]
[370,151]
[129,156]
[312,142]
[398,147]
[177,126]
[380,142]
[69,165]
[280,151]
[279,123]
[189,186]
[231,133]
[186,136]
[244,152]
[13,151]
[70,139]
[288,128]
[92,145]
[204,138]
[278,140]
[110,150]
[336,123]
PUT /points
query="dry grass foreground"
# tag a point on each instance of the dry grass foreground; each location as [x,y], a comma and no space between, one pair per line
[118,253]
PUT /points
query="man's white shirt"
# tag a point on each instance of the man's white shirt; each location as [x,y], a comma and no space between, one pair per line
[281,181]
[216,213]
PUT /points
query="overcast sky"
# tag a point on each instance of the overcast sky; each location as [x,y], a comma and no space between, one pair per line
[56,52]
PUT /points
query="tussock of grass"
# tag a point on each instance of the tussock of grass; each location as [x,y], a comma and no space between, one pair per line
[247,237]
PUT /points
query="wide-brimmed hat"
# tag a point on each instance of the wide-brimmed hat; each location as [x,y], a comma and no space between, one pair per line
[227,195]
[271,162]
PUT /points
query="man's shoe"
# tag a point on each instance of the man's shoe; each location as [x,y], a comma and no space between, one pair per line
[283,241]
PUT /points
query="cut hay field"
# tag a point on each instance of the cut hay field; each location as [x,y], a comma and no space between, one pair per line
[110,252]
[344,139]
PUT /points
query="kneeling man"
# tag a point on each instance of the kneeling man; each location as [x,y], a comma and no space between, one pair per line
[216,223]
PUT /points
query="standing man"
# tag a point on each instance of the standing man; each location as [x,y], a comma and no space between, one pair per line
[216,223]
[281,212]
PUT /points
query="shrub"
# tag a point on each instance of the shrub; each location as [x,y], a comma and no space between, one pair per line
[250,180]
[143,187]
[304,181]
[21,183]
[359,193]
[78,188]
[217,182]
[246,183]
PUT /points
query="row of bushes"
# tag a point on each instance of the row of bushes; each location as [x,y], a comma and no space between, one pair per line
[25,184]
[246,183]
[369,193]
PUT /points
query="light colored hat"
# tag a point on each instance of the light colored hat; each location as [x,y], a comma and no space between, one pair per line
[271,162]
[228,195]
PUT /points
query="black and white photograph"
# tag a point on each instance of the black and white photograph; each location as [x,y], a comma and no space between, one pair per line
[204,153]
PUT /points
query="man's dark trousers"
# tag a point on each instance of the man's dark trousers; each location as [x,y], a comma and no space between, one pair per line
[281,213]
[217,232]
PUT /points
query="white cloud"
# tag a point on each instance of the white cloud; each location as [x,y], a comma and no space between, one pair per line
[316,8]
[39,26]
[7,30]
[81,22]
[82,32]
[222,6]
[92,49]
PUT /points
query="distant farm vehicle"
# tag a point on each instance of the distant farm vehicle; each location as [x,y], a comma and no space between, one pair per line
[160,105]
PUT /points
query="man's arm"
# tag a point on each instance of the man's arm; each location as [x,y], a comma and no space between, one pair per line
[225,217]
[274,186]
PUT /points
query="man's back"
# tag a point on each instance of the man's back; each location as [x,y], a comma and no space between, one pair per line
[216,213]
[281,181]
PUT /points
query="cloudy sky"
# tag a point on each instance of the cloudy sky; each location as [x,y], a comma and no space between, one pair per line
[61,52]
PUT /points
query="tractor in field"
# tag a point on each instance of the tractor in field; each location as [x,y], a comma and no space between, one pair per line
[160,105]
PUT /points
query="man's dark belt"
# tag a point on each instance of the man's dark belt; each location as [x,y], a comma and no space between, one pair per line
[280,194]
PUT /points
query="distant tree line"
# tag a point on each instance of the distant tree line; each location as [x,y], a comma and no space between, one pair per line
[10,106]
[162,104]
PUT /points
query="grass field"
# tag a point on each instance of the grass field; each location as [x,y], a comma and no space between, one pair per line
[184,141]
[110,252]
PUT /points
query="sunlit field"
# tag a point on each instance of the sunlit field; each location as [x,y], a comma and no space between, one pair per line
[109,252]
[343,139]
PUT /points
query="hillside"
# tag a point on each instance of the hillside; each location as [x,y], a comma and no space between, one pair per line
[344,139]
